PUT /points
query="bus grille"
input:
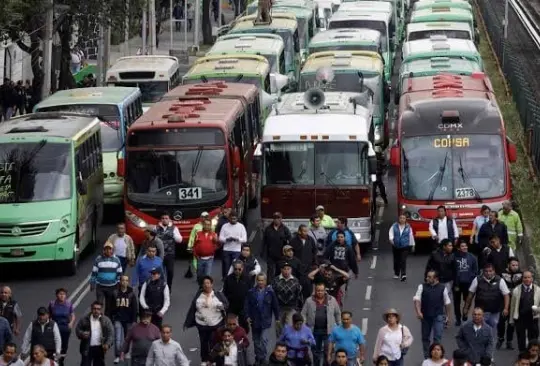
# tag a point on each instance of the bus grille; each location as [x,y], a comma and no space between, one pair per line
[10,230]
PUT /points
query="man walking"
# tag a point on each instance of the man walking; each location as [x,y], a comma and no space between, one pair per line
[401,237]
[465,269]
[139,339]
[476,338]
[124,249]
[443,227]
[146,263]
[492,228]
[105,276]
[166,351]
[524,311]
[9,356]
[45,332]
[348,337]
[514,227]
[235,289]
[96,333]
[10,309]
[513,277]
[155,297]
[6,335]
[205,245]
[170,236]
[496,254]
[124,314]
[432,303]
[289,294]
[275,237]
[260,305]
[442,262]
[232,235]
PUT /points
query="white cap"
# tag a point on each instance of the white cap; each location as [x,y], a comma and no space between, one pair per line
[320,207]
[205,214]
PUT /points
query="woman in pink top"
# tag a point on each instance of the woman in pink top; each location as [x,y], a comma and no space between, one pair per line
[393,339]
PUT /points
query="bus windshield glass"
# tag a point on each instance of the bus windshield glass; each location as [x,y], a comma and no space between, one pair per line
[363,23]
[302,28]
[110,137]
[449,33]
[253,80]
[105,112]
[151,91]
[346,47]
[323,163]
[453,167]
[35,171]
[177,176]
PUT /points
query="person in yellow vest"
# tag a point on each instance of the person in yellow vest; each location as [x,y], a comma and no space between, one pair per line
[513,224]
[326,221]
[196,228]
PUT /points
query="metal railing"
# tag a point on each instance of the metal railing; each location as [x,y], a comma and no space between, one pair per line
[519,57]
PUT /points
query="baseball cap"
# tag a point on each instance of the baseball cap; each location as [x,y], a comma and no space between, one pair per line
[42,310]
[205,214]
[155,270]
[319,208]
[287,247]
[108,244]
[285,264]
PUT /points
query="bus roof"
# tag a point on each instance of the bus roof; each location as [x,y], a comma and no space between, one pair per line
[441,64]
[225,64]
[195,112]
[317,127]
[360,15]
[442,13]
[214,90]
[346,35]
[337,103]
[438,43]
[453,4]
[375,6]
[253,7]
[279,21]
[438,83]
[144,63]
[49,124]
[356,60]
[251,44]
[415,27]
[299,12]
[99,95]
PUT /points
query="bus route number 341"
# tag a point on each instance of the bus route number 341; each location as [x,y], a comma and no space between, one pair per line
[191,193]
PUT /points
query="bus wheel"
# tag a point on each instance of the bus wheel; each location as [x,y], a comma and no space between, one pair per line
[72,264]
[94,238]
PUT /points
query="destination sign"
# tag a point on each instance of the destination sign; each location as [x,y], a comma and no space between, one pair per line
[446,142]
[6,188]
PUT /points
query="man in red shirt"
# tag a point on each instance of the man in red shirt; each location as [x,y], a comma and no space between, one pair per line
[204,248]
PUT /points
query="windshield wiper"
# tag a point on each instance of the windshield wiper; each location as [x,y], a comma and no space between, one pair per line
[26,162]
[466,180]
[196,164]
[332,184]
[439,181]
[405,166]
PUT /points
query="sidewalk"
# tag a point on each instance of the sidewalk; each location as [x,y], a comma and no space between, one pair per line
[179,43]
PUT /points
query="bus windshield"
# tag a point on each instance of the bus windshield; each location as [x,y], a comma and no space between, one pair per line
[110,138]
[363,23]
[177,176]
[323,163]
[151,91]
[347,47]
[302,28]
[344,82]
[105,112]
[253,80]
[453,167]
[449,33]
[35,171]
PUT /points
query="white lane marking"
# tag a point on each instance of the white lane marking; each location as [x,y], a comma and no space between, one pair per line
[366,309]
[377,236]
[252,236]
[81,297]
[368,292]
[364,325]
[79,288]
[373,262]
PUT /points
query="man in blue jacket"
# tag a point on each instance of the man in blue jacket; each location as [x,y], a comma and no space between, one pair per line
[465,270]
[260,304]
[143,267]
[350,238]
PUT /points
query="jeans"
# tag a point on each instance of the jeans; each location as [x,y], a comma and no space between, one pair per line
[123,263]
[271,269]
[106,296]
[138,361]
[120,331]
[320,349]
[260,344]
[400,260]
[7,113]
[492,319]
[227,261]
[430,324]
[205,337]
[285,317]
[168,264]
[204,267]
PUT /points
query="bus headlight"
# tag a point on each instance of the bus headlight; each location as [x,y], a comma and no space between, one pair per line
[136,220]
[415,216]
[64,223]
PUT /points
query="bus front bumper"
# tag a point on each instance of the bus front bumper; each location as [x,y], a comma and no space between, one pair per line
[61,249]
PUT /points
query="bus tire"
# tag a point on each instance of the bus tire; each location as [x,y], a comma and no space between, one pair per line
[71,265]
[94,238]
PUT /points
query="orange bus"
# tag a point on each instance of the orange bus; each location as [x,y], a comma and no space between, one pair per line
[451,150]
[190,154]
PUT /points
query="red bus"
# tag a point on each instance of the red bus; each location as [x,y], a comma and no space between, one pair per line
[189,154]
[451,150]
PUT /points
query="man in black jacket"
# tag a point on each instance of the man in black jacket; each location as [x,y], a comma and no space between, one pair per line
[341,255]
[275,237]
[235,289]
[93,348]
[497,254]
[513,276]
[124,313]
[490,228]
[251,265]
[442,262]
[305,249]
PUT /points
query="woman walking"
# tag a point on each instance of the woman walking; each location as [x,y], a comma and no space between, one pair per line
[62,313]
[402,239]
[393,340]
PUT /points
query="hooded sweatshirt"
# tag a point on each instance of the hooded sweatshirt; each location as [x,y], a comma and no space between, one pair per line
[465,267]
[166,354]
[125,310]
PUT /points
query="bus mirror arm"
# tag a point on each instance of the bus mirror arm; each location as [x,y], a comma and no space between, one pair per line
[372,164]
[81,187]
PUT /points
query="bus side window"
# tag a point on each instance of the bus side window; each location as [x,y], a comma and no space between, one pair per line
[139,107]
[296,40]
[79,161]
[237,132]
[251,123]
[244,127]
[93,154]
[255,107]
[85,160]
[282,63]
[127,115]
[364,165]
[267,84]
[98,149]
[311,31]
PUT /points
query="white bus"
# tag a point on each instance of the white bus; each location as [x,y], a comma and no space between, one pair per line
[155,75]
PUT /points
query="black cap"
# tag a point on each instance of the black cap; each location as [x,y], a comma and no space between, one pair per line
[155,270]
[285,264]
[42,310]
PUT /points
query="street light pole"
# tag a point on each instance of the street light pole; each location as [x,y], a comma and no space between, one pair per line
[505,31]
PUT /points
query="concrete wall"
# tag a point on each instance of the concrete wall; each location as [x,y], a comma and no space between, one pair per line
[14,62]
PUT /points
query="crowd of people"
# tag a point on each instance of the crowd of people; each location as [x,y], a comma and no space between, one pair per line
[15,98]
[300,296]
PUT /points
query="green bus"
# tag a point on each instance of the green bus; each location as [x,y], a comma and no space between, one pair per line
[434,4]
[440,46]
[51,188]
[434,66]
[353,39]
[416,31]
[446,14]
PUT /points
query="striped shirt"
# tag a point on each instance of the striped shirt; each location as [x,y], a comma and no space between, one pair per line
[106,271]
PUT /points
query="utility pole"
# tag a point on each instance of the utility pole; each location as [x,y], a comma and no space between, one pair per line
[152,25]
[101,46]
[197,24]
[106,52]
[144,28]
[505,38]
[47,50]
[126,30]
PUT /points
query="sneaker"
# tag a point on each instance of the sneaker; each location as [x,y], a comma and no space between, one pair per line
[499,344]
[403,278]
[116,360]
[509,346]
[396,277]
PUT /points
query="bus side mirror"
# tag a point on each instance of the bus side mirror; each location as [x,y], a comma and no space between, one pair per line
[81,187]
[477,36]
[387,92]
[396,97]
[120,167]
[372,165]
[512,150]
[394,156]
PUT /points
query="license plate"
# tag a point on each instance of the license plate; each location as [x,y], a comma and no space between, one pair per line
[192,193]
[465,193]
[17,252]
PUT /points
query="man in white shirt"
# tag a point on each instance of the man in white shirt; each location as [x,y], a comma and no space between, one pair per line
[232,235]
[166,351]
[443,227]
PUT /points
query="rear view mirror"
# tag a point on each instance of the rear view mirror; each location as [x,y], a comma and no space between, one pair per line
[394,156]
[387,92]
[372,165]
[512,150]
[81,187]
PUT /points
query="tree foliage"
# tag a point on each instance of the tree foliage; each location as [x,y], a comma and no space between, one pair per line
[23,22]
